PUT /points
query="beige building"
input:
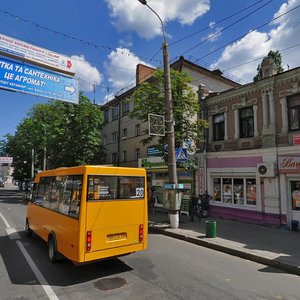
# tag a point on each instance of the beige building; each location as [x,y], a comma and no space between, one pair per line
[252,164]
[122,136]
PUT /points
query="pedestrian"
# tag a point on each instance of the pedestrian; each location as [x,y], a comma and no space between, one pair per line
[205,204]
[195,208]
[152,199]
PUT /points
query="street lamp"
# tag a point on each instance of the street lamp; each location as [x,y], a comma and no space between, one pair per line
[170,125]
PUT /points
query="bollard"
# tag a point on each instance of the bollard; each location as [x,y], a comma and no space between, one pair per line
[211,229]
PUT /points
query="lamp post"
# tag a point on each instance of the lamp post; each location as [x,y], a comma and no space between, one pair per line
[170,127]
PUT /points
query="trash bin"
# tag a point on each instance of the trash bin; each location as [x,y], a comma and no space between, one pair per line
[211,229]
[294,225]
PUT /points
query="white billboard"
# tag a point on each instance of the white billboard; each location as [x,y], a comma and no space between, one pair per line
[6,160]
[27,52]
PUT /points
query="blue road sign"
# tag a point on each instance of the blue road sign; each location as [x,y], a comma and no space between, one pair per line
[37,81]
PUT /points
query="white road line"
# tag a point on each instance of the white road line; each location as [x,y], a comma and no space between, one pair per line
[47,288]
[11,232]
[5,221]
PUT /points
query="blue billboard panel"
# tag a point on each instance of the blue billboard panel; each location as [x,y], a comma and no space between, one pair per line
[37,81]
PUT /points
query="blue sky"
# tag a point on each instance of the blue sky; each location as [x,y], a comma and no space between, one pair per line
[106,39]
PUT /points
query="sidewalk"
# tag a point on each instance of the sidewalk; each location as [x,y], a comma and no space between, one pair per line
[279,248]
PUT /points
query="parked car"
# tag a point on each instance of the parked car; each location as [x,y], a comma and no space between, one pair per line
[1,183]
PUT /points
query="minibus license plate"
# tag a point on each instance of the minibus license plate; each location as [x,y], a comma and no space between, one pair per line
[117,236]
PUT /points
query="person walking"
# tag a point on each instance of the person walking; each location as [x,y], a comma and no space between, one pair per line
[205,198]
[195,207]
[152,199]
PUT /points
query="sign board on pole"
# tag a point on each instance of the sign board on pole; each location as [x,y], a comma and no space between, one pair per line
[27,52]
[37,81]
[156,124]
[6,160]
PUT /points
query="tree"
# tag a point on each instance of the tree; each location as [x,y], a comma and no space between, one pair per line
[68,134]
[149,98]
[276,56]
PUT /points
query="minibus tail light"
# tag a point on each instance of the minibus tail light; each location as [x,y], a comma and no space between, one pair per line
[141,233]
[89,240]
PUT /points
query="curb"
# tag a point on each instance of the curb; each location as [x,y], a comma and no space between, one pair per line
[235,252]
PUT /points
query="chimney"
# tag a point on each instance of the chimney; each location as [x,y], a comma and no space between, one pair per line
[268,68]
[143,73]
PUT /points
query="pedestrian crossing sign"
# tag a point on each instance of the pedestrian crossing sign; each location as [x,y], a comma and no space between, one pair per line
[181,154]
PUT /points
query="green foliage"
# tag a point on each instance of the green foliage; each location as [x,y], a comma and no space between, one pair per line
[276,56]
[149,98]
[71,135]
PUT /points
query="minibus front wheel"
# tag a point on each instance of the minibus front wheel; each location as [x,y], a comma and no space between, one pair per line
[27,229]
[52,249]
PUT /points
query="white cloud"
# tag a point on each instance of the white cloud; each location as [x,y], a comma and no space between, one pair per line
[283,34]
[121,68]
[131,15]
[212,37]
[87,74]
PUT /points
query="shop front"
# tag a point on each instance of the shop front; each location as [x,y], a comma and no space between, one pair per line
[289,170]
[157,177]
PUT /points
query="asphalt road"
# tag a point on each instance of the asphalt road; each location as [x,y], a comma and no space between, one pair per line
[169,269]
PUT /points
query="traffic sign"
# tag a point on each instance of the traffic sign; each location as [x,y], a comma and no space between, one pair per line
[156,124]
[37,81]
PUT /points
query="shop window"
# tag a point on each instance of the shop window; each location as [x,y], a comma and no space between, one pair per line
[217,189]
[294,112]
[251,191]
[295,190]
[233,191]
[246,122]
[227,190]
[238,190]
[218,127]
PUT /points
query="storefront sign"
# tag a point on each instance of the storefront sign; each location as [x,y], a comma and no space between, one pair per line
[288,164]
[152,163]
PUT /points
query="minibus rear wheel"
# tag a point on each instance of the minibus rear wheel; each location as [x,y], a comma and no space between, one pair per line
[52,252]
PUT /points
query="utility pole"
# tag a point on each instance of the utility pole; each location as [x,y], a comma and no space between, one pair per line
[172,171]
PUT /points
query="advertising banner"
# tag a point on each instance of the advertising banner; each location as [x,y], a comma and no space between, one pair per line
[25,51]
[37,81]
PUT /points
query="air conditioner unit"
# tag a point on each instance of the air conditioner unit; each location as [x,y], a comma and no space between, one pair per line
[266,169]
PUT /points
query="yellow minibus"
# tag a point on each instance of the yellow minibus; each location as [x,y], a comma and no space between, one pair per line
[88,213]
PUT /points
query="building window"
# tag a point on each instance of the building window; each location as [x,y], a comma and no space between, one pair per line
[124,155]
[125,107]
[115,112]
[235,191]
[295,190]
[114,158]
[246,122]
[137,129]
[294,112]
[137,153]
[218,127]
[114,136]
[104,140]
[124,132]
[106,114]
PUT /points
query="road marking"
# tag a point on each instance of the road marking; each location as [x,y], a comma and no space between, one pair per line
[47,288]
[13,234]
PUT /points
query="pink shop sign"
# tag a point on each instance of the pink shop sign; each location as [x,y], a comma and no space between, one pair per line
[289,164]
